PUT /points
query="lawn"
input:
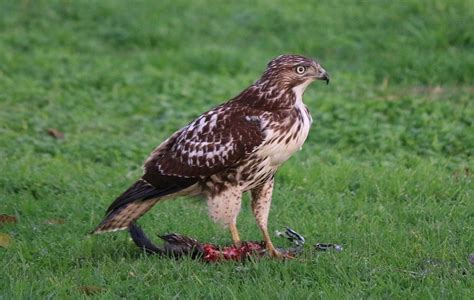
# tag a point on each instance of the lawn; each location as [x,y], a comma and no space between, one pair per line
[387,170]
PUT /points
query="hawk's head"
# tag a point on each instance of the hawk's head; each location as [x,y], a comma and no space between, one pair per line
[283,82]
[289,71]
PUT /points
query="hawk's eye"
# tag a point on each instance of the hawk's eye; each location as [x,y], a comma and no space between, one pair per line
[300,69]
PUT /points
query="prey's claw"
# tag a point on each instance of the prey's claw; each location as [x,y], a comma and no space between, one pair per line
[296,238]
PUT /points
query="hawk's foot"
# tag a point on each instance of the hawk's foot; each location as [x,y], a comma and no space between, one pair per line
[274,253]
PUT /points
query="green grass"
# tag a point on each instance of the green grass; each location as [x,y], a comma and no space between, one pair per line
[386,171]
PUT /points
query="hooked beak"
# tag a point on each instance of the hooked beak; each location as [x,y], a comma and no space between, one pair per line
[323,75]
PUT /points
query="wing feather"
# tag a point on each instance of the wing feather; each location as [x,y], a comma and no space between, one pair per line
[216,140]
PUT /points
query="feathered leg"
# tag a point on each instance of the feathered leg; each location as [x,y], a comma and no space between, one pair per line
[261,201]
[224,208]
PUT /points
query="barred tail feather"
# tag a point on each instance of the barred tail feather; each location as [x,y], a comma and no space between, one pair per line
[131,205]
[121,218]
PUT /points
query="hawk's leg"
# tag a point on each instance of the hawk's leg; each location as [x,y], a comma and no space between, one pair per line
[261,201]
[224,207]
[235,234]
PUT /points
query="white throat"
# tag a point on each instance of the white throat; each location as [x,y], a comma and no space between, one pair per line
[299,91]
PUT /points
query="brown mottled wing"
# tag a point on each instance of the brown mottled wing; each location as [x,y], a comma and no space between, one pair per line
[215,141]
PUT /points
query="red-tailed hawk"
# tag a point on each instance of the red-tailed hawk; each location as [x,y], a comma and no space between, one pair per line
[231,149]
